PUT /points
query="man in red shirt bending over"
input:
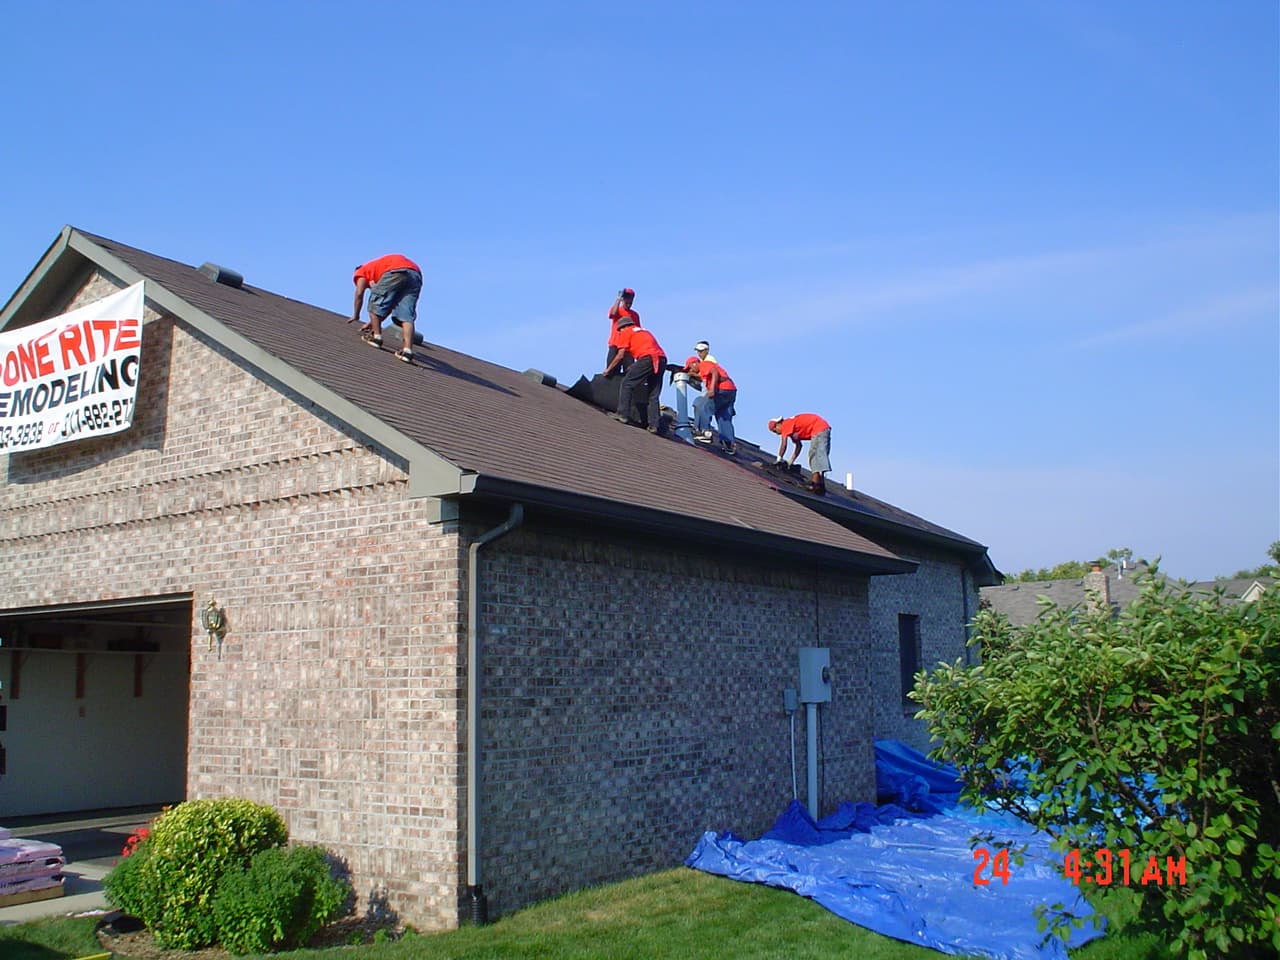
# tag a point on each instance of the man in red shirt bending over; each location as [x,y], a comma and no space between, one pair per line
[393,282]
[718,396]
[811,427]
[648,360]
[621,310]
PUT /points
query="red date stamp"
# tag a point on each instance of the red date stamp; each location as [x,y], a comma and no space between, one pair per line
[999,864]
[1102,868]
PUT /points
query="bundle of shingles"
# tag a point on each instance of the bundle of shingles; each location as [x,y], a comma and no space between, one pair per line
[29,870]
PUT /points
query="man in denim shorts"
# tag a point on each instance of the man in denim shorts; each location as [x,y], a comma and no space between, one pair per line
[393,282]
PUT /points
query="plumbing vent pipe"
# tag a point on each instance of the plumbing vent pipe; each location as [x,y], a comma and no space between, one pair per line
[684,426]
[223,275]
[848,482]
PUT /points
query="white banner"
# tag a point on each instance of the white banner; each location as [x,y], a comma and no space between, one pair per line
[73,376]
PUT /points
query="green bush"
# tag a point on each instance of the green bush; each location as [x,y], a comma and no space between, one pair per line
[125,884]
[191,846]
[1156,733]
[284,897]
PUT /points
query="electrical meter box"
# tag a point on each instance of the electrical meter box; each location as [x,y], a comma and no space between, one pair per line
[815,674]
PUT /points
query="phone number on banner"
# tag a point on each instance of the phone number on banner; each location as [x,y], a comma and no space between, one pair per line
[88,419]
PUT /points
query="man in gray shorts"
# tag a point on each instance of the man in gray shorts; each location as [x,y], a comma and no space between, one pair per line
[393,282]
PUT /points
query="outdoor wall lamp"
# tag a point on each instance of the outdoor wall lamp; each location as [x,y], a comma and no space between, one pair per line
[214,620]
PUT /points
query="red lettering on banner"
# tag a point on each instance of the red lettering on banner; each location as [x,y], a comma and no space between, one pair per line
[127,335]
[44,361]
[104,329]
[84,342]
[69,341]
[26,361]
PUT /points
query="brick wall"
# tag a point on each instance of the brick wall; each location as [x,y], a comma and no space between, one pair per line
[936,593]
[633,700]
[336,696]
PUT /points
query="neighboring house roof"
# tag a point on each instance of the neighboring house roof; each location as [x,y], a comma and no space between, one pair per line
[1244,589]
[465,427]
[1020,602]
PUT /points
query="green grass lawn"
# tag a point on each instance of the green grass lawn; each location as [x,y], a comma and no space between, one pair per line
[674,914]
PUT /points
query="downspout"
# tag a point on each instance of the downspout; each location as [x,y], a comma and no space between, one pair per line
[478,905]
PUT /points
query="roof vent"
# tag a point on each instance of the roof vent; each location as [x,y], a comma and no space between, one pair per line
[223,275]
[546,379]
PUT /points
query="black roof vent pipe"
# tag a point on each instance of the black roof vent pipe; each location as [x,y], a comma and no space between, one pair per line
[223,275]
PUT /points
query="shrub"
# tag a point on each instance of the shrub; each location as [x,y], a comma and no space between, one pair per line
[1154,733]
[125,884]
[284,897]
[170,880]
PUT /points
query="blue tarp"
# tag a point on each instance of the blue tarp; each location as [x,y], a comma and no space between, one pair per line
[908,876]
[907,777]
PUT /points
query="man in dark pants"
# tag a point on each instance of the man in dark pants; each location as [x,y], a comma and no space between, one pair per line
[647,361]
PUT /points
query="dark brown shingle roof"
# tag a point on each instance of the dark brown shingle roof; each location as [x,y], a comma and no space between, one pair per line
[517,436]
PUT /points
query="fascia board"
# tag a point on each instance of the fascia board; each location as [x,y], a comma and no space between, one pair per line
[976,555]
[654,521]
[430,475]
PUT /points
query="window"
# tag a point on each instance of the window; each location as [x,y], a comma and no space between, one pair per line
[908,654]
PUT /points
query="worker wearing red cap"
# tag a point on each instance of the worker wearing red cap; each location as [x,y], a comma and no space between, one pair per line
[811,427]
[621,310]
[647,361]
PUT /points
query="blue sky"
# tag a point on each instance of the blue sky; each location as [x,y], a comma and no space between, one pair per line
[1025,257]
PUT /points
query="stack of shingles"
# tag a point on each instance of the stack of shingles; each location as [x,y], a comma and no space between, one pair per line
[29,870]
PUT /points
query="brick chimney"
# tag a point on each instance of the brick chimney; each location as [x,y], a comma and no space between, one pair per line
[1097,589]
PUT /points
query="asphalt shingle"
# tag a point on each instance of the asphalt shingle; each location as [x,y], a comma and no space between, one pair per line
[500,423]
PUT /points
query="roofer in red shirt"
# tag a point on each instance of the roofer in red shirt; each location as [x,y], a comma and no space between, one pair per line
[718,394]
[393,282]
[647,361]
[811,427]
[621,310]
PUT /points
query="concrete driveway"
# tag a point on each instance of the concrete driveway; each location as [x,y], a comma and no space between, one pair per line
[91,845]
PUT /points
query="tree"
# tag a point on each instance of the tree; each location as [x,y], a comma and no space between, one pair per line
[1156,733]
[1267,569]
[1071,569]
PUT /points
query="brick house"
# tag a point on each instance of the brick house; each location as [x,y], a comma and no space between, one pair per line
[363,524]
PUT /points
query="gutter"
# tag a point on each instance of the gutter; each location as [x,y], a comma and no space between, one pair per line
[478,905]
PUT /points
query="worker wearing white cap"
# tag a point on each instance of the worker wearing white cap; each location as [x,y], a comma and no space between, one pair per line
[703,350]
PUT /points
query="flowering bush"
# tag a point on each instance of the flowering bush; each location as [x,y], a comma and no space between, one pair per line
[135,840]
[169,877]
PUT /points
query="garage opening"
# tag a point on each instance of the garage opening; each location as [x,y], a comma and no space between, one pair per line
[94,705]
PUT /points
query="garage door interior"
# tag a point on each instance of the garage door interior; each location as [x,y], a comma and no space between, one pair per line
[94,704]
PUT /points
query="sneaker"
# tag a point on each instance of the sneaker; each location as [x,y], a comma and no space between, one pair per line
[730,448]
[705,437]
[619,417]
[405,355]
[372,339]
